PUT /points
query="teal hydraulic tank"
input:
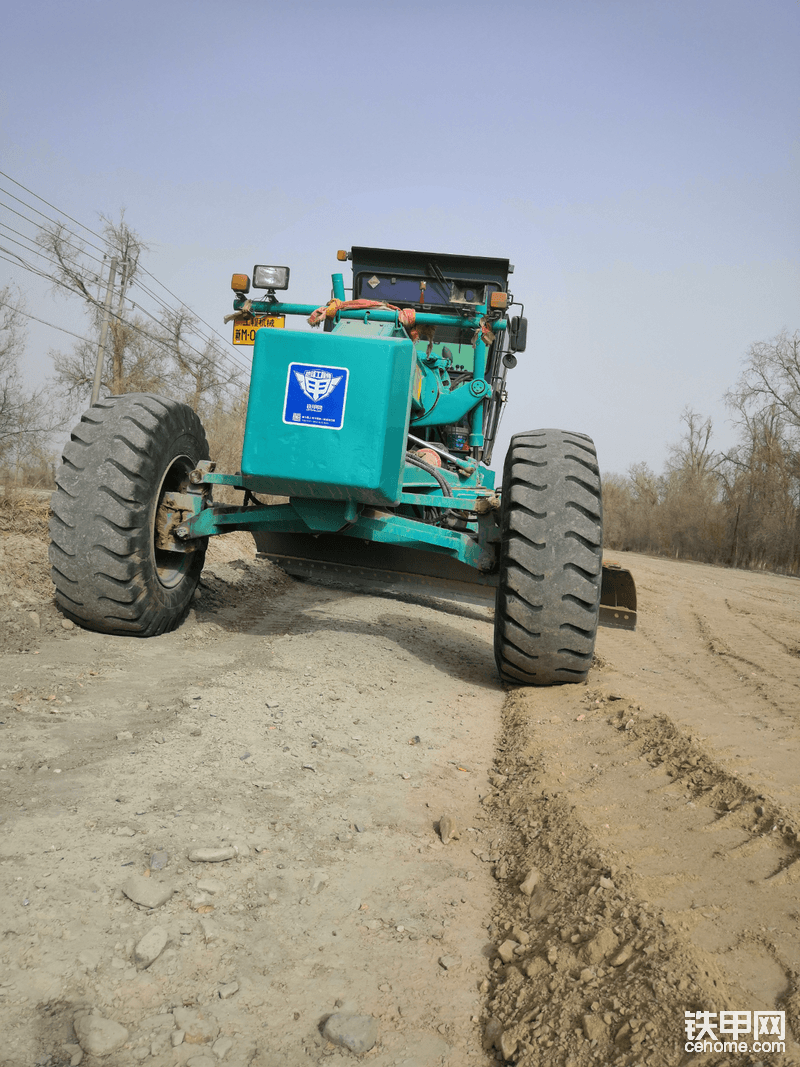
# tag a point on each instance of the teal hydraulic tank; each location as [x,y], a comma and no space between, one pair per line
[328,415]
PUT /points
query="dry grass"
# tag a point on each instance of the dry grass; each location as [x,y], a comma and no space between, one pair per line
[24,511]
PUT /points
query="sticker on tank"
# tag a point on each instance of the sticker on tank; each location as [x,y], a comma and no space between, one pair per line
[315,395]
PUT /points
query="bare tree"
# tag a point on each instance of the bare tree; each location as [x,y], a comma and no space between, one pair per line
[135,357]
[693,518]
[692,457]
[771,378]
[762,488]
[762,473]
[202,373]
[143,369]
[27,417]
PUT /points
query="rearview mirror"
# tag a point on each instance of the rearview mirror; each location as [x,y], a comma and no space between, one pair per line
[518,333]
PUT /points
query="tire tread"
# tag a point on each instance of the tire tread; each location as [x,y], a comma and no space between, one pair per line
[102,514]
[548,593]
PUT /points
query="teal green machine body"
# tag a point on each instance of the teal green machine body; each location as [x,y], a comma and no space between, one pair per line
[349,445]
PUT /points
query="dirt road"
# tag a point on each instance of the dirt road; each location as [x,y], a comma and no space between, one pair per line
[616,855]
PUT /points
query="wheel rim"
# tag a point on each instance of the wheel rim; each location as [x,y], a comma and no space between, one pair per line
[172,567]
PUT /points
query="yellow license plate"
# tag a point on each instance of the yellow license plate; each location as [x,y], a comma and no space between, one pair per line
[244,330]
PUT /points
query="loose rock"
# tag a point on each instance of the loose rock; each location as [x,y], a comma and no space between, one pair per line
[448,829]
[359,1033]
[210,930]
[600,946]
[211,855]
[594,1028]
[508,1045]
[622,956]
[493,1033]
[318,882]
[198,1028]
[201,1059]
[531,881]
[98,1036]
[210,885]
[222,1047]
[506,951]
[148,892]
[151,946]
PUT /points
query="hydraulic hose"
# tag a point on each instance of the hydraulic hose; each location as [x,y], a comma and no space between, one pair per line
[415,461]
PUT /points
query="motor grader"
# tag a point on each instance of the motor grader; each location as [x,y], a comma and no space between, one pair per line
[375,432]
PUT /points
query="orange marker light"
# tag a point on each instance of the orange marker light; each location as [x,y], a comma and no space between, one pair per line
[341,255]
[498,300]
[240,283]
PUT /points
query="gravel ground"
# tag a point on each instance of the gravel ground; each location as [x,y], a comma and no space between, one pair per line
[310,826]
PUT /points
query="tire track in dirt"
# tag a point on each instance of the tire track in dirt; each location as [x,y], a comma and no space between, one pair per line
[659,808]
[665,885]
[749,715]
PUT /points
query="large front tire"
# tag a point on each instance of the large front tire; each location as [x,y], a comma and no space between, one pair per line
[551,559]
[109,574]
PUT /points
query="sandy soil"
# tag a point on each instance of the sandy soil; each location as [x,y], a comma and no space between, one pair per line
[613,855]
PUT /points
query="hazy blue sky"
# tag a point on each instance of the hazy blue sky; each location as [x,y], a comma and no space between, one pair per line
[638,162]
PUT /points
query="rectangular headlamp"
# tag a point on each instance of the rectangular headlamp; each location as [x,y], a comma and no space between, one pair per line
[270,277]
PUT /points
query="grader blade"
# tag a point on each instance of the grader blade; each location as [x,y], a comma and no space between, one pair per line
[618,598]
[382,568]
[375,568]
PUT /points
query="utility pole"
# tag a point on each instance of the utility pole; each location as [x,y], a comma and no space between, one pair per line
[101,348]
[117,334]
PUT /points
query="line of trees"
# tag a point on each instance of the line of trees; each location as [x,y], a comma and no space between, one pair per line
[741,507]
[167,353]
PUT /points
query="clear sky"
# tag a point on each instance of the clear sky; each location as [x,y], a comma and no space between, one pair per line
[637,161]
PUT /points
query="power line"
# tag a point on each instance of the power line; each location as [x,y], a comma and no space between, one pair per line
[18,261]
[38,252]
[164,342]
[234,360]
[33,222]
[144,270]
[58,209]
[28,315]
[174,297]
[166,307]
[61,227]
[80,337]
[89,230]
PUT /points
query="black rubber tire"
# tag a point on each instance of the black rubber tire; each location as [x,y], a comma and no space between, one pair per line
[551,559]
[122,456]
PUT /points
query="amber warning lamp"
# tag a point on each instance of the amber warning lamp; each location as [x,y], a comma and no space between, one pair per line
[240,283]
[341,255]
[498,300]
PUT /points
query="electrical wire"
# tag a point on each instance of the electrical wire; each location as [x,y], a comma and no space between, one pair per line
[28,315]
[58,209]
[120,319]
[144,270]
[37,252]
[79,248]
[224,354]
[174,297]
[166,307]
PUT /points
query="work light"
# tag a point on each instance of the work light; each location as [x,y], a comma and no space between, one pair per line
[270,277]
